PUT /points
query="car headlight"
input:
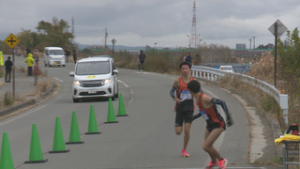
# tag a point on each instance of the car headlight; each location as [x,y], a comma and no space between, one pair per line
[107,81]
[76,82]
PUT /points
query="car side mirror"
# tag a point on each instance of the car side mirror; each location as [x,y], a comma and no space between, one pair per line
[71,73]
[115,71]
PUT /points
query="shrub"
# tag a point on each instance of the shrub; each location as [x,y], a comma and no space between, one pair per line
[8,99]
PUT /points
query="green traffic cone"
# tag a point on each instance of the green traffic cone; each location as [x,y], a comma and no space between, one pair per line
[6,157]
[36,154]
[74,137]
[59,145]
[111,117]
[93,128]
[121,109]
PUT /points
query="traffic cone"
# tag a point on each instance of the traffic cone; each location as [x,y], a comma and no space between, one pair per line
[111,117]
[93,128]
[59,145]
[121,109]
[35,154]
[6,157]
[74,137]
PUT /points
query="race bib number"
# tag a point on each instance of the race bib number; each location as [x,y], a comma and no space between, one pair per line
[203,114]
[185,95]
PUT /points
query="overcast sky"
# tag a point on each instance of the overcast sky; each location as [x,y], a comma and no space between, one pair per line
[145,22]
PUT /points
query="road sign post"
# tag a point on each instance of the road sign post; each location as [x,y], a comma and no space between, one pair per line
[277,29]
[12,41]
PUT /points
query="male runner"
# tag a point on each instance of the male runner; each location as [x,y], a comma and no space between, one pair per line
[215,122]
[184,104]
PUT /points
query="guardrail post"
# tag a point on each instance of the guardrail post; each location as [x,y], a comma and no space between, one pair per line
[284,104]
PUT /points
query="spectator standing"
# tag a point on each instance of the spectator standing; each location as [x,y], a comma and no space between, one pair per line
[74,56]
[29,60]
[28,50]
[142,57]
[67,55]
[36,72]
[8,67]
[188,57]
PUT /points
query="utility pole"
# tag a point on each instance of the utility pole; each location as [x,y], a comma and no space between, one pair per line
[105,38]
[254,46]
[276,34]
[250,48]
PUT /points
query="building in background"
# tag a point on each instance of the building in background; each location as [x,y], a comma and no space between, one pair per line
[240,46]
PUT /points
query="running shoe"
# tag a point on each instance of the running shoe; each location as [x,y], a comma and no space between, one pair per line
[211,165]
[222,163]
[184,153]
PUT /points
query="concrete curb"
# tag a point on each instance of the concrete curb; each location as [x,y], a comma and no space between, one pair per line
[26,103]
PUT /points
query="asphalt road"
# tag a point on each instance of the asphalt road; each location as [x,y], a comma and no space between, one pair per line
[144,139]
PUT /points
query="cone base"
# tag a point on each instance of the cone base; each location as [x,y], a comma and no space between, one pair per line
[107,122]
[59,151]
[122,115]
[39,161]
[93,133]
[77,142]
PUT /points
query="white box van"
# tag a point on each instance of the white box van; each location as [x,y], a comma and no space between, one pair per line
[54,56]
[95,77]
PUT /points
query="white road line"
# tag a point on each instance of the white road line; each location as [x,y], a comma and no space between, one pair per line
[25,114]
[123,83]
[58,79]
[131,92]
[34,110]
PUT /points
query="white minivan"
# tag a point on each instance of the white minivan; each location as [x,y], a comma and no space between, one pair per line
[54,56]
[95,77]
[226,68]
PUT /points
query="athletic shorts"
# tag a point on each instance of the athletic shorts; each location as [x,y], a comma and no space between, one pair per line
[215,126]
[183,115]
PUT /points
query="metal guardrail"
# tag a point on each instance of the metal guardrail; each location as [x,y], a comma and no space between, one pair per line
[213,74]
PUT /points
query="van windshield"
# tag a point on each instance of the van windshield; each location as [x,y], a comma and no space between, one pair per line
[56,52]
[93,68]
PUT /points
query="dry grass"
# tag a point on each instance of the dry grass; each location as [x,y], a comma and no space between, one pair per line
[8,100]
[1,73]
[42,87]
[22,69]
[263,69]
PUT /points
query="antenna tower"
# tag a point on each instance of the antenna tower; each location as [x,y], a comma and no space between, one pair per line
[194,37]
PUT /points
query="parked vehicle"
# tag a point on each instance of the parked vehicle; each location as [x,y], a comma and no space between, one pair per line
[227,68]
[54,56]
[95,77]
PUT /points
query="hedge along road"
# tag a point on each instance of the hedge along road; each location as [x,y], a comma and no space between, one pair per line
[144,139]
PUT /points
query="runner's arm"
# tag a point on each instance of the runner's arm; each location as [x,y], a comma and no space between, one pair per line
[173,89]
[220,102]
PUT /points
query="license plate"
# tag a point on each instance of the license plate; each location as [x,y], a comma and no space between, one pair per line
[92,91]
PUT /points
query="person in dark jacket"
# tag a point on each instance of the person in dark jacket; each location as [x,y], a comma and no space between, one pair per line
[74,56]
[8,67]
[188,57]
[142,57]
[67,55]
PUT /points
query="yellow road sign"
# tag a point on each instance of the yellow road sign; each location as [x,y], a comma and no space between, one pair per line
[1,59]
[11,41]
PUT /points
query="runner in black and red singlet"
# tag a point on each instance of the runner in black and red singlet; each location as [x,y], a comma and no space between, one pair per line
[215,122]
[184,104]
